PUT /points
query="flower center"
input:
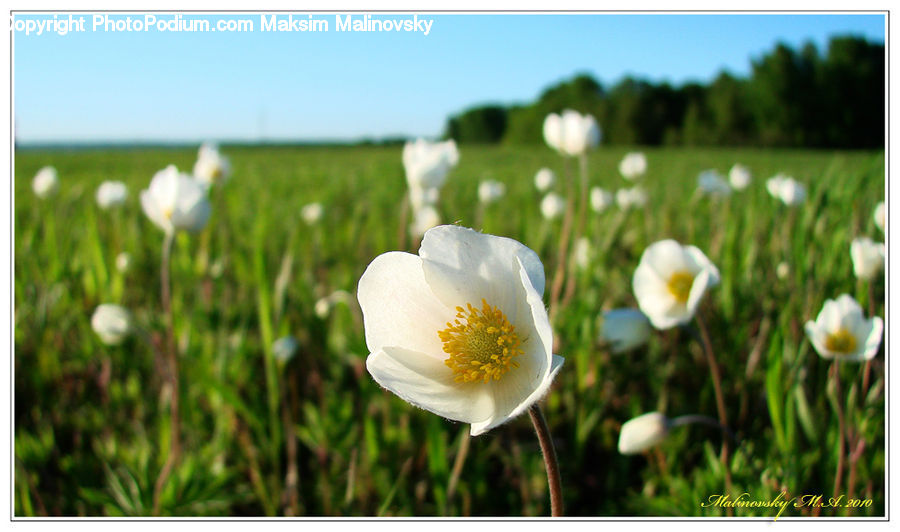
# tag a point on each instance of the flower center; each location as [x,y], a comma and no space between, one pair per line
[841,341]
[167,213]
[679,285]
[481,344]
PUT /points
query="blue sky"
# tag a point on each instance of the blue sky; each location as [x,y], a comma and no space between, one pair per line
[191,86]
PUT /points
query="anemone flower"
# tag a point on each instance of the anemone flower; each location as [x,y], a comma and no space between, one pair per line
[552,206]
[600,199]
[624,329]
[460,329]
[490,191]
[867,257]
[45,182]
[670,281]
[544,179]
[111,194]
[211,166]
[739,176]
[840,332]
[878,215]
[712,183]
[112,323]
[175,201]
[633,165]
[571,133]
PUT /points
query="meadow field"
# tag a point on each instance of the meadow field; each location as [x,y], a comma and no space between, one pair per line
[315,435]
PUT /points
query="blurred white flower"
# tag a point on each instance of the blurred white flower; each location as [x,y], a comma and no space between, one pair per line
[867,256]
[552,206]
[174,201]
[323,307]
[670,281]
[600,199]
[460,329]
[312,213]
[45,182]
[739,176]
[712,183]
[428,163]
[123,262]
[112,323]
[633,165]
[879,215]
[544,179]
[625,329]
[285,348]
[490,191]
[782,270]
[211,166]
[571,133]
[841,332]
[424,219]
[582,253]
[423,197]
[111,194]
[217,268]
[643,432]
[627,198]
[787,189]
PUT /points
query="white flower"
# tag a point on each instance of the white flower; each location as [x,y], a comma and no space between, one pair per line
[600,199]
[423,197]
[782,270]
[111,194]
[460,329]
[571,133]
[867,256]
[841,332]
[123,261]
[112,323]
[544,179]
[312,213]
[670,281]
[627,198]
[552,206]
[787,189]
[739,176]
[643,432]
[428,163]
[879,215]
[211,166]
[45,182]
[175,201]
[582,253]
[625,329]
[490,191]
[284,348]
[425,218]
[323,307]
[712,183]
[633,165]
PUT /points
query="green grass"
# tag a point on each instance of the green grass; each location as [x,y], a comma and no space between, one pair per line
[90,428]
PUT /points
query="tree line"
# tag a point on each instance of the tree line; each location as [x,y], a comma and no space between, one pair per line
[793,98]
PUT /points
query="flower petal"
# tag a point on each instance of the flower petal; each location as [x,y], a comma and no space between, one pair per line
[398,306]
[427,383]
[506,396]
[463,266]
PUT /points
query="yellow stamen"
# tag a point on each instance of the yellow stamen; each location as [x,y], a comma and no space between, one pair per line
[167,213]
[841,341]
[481,344]
[680,284]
